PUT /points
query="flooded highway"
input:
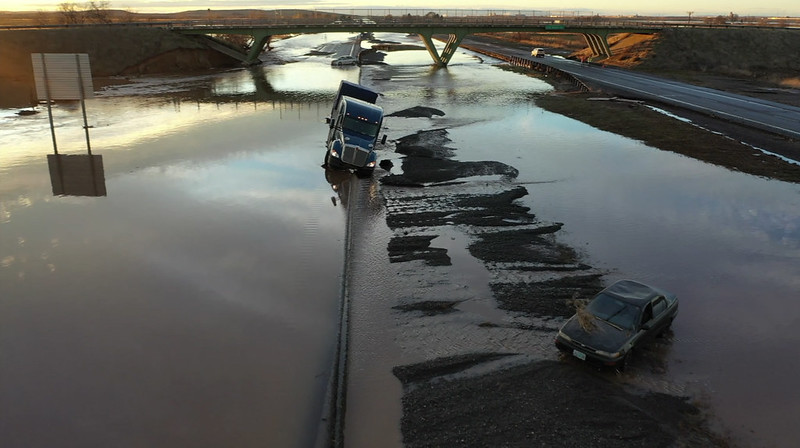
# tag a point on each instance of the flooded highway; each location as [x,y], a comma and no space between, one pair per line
[195,304]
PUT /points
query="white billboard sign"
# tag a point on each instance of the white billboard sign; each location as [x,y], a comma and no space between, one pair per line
[62,76]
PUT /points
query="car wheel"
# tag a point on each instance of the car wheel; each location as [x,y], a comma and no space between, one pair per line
[666,329]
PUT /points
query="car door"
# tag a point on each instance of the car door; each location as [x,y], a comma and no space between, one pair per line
[660,318]
[645,326]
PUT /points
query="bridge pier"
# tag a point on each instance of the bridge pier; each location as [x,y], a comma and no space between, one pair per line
[595,35]
[260,39]
[453,41]
[598,44]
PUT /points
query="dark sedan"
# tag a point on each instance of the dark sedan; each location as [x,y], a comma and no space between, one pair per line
[618,319]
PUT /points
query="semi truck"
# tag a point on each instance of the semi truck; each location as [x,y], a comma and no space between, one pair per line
[354,126]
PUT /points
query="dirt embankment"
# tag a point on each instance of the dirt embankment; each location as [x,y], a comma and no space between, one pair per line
[756,62]
[744,61]
[768,56]
[113,51]
[724,147]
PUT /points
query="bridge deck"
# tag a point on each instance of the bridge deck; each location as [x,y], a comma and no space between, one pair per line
[456,28]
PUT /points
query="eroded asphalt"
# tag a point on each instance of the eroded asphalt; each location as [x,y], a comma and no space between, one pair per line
[474,291]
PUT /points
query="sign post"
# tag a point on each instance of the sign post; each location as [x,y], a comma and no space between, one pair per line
[63,76]
[67,76]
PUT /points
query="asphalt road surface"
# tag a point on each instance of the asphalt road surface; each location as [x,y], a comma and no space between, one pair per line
[768,116]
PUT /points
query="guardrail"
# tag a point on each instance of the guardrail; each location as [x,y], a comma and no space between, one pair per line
[531,64]
[371,21]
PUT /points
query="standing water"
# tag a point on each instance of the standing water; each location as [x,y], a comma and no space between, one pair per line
[196,303]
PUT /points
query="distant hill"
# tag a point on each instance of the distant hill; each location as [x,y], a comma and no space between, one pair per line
[117,50]
[40,18]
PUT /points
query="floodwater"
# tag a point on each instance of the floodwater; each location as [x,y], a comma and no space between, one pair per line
[193,305]
[196,303]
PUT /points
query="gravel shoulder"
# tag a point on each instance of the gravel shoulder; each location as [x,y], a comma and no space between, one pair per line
[696,135]
[539,403]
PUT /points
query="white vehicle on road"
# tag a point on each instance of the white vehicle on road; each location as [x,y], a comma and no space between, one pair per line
[345,60]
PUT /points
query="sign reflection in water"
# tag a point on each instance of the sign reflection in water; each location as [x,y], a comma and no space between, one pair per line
[77,174]
[179,310]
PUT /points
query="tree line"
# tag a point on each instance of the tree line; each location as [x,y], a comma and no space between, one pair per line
[90,12]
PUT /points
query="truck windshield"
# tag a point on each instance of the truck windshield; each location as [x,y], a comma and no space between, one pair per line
[365,128]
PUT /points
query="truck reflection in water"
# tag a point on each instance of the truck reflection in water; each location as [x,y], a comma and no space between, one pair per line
[341,181]
[77,174]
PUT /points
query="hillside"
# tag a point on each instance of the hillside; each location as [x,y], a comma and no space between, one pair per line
[756,53]
[750,61]
[112,51]
[761,56]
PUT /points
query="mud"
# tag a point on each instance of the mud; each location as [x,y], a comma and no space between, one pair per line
[538,403]
[417,111]
[427,162]
[407,248]
[549,298]
[430,307]
[502,397]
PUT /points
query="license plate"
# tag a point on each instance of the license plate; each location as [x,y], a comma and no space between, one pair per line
[579,355]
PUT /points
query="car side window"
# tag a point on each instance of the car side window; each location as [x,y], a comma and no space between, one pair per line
[659,306]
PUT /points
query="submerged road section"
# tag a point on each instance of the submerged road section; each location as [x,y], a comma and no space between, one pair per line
[777,118]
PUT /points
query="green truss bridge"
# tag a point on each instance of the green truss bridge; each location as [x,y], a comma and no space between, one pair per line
[595,32]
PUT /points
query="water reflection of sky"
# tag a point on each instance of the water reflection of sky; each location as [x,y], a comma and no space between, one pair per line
[211,201]
[191,276]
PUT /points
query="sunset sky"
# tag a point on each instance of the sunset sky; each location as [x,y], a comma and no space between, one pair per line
[675,7]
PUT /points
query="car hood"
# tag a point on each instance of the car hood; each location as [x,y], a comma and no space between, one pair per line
[599,334]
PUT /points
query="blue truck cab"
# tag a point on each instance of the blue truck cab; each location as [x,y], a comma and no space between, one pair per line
[354,126]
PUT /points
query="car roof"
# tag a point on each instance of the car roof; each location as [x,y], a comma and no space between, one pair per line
[634,292]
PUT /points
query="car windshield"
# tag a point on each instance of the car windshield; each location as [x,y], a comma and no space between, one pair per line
[366,129]
[615,311]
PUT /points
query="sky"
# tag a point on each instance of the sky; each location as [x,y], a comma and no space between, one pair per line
[778,8]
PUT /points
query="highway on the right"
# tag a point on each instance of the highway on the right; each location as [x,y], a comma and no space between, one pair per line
[781,119]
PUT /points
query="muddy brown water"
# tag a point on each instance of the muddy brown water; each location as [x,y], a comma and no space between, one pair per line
[196,302]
